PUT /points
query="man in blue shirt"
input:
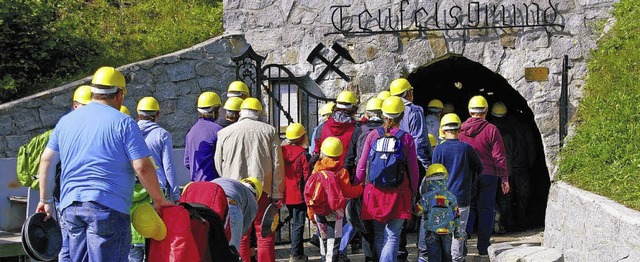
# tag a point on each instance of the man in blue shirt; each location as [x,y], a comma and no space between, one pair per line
[98,146]
[200,143]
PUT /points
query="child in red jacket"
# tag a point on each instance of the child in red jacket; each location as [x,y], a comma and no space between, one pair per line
[296,169]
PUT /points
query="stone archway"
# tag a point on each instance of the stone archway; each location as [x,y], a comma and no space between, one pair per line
[438,80]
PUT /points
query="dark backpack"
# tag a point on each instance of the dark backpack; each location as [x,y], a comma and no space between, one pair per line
[323,194]
[218,244]
[386,162]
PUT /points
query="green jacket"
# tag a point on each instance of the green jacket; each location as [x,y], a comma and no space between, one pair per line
[140,196]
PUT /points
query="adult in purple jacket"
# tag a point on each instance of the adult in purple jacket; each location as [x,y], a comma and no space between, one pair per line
[200,143]
[487,142]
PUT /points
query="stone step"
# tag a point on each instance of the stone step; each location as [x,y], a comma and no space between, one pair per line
[523,252]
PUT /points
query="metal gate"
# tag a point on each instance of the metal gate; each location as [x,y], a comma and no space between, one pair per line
[286,100]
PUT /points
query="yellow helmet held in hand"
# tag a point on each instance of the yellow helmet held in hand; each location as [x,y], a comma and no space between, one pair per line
[251,103]
[478,104]
[326,109]
[347,97]
[384,94]
[432,140]
[331,146]
[295,131]
[82,95]
[148,104]
[450,121]
[392,107]
[147,222]
[233,104]
[254,185]
[435,169]
[125,110]
[238,86]
[448,108]
[374,104]
[208,99]
[399,86]
[109,76]
[498,109]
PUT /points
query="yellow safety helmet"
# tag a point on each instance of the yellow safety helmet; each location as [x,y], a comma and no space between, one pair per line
[432,140]
[251,103]
[374,104]
[478,104]
[208,99]
[148,104]
[399,86]
[233,104]
[384,94]
[498,109]
[392,107]
[448,108]
[295,131]
[238,86]
[326,109]
[436,103]
[109,76]
[435,169]
[254,185]
[347,97]
[331,146]
[125,110]
[82,94]
[450,121]
[147,222]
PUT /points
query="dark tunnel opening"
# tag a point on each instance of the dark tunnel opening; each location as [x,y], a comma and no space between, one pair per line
[455,79]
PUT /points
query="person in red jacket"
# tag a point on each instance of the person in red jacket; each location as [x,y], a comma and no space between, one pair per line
[330,226]
[487,142]
[296,171]
[341,123]
[388,208]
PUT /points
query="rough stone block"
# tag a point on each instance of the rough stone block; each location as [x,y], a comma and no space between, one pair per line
[193,54]
[6,125]
[14,142]
[185,87]
[166,91]
[181,71]
[517,253]
[50,116]
[206,68]
[168,60]
[547,255]
[26,120]
[140,77]
[221,46]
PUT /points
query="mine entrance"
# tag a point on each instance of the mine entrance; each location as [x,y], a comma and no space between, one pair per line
[454,80]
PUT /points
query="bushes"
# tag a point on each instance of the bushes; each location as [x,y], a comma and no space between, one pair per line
[604,155]
[46,43]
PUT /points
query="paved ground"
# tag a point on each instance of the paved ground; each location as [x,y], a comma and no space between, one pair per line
[533,236]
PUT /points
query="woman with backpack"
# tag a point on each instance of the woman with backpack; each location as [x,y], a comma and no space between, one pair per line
[389,170]
[326,192]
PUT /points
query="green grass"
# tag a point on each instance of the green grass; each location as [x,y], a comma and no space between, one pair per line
[604,155]
[48,43]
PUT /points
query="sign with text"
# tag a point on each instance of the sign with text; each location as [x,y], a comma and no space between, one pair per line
[536,74]
[434,17]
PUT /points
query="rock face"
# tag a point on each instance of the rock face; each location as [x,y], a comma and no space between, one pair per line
[284,29]
[588,227]
[175,80]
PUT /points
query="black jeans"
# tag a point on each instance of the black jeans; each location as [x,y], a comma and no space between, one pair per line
[298,214]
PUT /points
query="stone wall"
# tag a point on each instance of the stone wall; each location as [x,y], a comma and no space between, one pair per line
[175,80]
[288,30]
[588,227]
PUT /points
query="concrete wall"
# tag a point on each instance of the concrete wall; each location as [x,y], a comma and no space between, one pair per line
[288,30]
[588,227]
[175,80]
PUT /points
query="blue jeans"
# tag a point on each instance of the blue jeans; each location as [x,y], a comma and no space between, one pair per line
[483,201]
[96,232]
[386,239]
[422,236]
[348,232]
[136,253]
[236,223]
[298,215]
[438,247]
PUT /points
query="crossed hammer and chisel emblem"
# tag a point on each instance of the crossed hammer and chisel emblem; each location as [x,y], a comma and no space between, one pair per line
[341,53]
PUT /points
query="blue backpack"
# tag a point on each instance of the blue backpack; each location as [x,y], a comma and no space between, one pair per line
[386,162]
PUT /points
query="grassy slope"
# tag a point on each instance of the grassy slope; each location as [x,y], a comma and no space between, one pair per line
[604,155]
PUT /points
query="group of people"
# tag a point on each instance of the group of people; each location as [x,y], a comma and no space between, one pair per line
[384,164]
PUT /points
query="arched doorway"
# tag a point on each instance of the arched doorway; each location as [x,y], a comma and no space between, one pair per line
[455,79]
